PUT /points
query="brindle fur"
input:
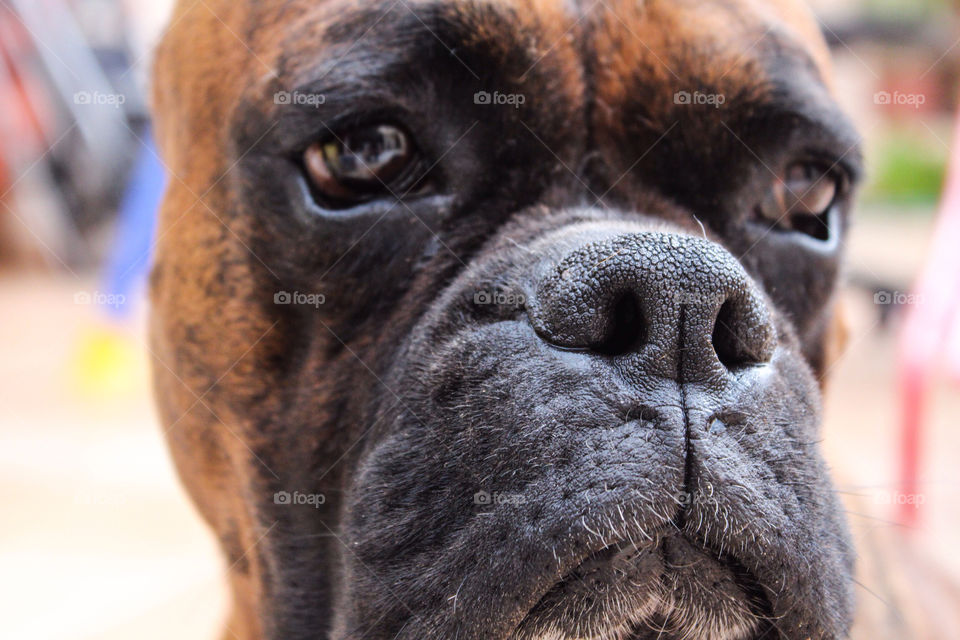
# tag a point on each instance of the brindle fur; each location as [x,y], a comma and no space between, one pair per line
[258,398]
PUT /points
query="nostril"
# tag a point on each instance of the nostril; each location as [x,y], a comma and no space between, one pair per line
[681,305]
[627,329]
[742,333]
[731,350]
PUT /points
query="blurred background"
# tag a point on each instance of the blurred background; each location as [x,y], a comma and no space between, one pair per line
[99,539]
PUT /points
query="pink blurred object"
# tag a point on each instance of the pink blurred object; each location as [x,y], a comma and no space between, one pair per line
[931,334]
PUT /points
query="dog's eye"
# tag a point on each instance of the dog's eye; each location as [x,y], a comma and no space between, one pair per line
[802,198]
[363,164]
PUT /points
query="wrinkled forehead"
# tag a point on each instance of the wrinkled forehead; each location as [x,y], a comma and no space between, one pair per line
[680,38]
[218,51]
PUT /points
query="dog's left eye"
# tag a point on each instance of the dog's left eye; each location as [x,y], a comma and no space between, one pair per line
[363,164]
[801,200]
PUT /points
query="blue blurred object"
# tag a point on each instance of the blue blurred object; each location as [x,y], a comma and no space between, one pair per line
[129,259]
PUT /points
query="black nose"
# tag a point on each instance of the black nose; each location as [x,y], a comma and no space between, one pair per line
[682,303]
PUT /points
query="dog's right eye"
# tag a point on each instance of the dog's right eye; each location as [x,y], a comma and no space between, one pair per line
[363,164]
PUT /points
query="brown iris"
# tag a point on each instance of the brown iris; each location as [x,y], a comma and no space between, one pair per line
[362,164]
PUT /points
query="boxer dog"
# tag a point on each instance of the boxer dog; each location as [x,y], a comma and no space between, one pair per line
[505,319]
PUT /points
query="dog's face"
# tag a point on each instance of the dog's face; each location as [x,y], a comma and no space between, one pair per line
[533,296]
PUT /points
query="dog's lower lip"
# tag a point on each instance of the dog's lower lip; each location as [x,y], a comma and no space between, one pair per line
[759,601]
[604,552]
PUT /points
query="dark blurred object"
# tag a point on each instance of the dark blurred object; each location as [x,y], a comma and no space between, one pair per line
[917,32]
[72,120]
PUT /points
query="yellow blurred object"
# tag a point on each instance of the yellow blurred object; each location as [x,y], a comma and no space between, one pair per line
[106,362]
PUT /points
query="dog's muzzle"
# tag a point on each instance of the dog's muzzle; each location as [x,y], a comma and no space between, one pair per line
[624,449]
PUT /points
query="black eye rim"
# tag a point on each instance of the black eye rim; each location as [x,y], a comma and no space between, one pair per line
[410,182]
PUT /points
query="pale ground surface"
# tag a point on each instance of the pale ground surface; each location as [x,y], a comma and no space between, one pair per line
[99,541]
